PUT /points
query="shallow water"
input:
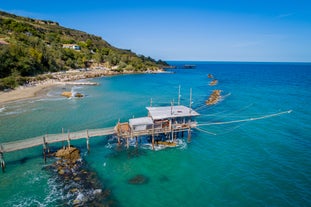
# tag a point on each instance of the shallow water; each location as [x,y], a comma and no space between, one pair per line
[265,162]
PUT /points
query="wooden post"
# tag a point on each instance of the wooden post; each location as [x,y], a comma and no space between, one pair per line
[119,142]
[172,134]
[47,146]
[127,140]
[87,141]
[44,149]
[63,138]
[2,162]
[68,139]
[136,143]
[119,132]
[152,137]
[189,134]
[172,130]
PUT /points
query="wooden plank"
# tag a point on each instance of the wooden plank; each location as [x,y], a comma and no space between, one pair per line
[53,138]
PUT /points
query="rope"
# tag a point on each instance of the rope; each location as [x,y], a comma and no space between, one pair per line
[205,131]
[245,120]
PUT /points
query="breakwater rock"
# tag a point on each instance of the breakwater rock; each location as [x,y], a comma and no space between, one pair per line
[213,82]
[213,98]
[69,94]
[78,185]
[68,153]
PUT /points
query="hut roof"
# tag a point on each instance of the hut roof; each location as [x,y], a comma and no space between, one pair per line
[165,112]
[140,121]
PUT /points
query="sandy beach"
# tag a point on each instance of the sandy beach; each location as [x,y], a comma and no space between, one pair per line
[22,92]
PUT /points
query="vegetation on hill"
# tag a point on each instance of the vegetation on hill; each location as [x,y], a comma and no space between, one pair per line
[29,47]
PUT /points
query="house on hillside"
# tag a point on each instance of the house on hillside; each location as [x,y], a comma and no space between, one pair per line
[72,46]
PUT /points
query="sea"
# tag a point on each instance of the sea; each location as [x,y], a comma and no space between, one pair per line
[252,148]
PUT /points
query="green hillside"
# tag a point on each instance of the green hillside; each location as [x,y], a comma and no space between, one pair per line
[30,47]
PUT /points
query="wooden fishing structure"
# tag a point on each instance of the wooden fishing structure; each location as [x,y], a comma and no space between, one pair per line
[47,139]
[162,124]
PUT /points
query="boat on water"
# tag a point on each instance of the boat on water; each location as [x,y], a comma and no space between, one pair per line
[189,66]
[167,143]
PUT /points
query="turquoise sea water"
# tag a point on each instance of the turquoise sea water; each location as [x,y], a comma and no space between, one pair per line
[264,162]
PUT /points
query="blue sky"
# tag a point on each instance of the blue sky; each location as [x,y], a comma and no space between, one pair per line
[224,30]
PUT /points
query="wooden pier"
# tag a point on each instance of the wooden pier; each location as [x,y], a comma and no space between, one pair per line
[53,138]
[46,139]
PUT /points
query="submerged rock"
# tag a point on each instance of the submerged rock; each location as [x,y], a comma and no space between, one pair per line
[138,180]
[164,178]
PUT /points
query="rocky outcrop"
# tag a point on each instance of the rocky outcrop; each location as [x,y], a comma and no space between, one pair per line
[67,94]
[79,185]
[68,153]
[213,82]
[214,98]
[78,95]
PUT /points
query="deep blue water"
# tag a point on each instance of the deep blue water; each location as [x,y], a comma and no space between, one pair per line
[265,162]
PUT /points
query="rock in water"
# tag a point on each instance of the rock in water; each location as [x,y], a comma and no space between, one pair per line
[214,97]
[97,191]
[78,185]
[79,95]
[69,153]
[67,94]
[213,82]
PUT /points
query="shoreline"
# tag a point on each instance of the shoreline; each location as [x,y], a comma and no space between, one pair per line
[35,90]
[25,93]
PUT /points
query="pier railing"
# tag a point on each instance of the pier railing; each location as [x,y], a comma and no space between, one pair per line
[53,138]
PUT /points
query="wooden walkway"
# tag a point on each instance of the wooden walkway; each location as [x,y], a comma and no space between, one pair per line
[52,138]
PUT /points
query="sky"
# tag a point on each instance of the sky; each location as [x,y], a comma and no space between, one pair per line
[198,30]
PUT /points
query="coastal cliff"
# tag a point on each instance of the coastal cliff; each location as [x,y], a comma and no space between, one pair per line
[31,47]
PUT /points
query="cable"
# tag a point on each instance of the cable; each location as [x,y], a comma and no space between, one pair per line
[245,120]
[205,131]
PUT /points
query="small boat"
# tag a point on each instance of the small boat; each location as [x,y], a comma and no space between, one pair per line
[167,143]
[189,66]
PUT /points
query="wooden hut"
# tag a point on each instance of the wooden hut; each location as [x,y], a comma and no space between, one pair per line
[167,120]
